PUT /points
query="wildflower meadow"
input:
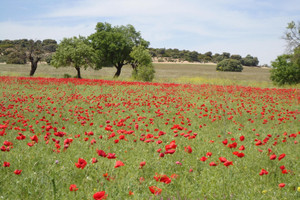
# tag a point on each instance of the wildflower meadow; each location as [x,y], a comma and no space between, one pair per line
[103,139]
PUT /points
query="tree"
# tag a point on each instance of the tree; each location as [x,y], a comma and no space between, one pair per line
[21,51]
[143,69]
[286,68]
[236,56]
[114,44]
[230,65]
[250,61]
[75,52]
[292,35]
[34,52]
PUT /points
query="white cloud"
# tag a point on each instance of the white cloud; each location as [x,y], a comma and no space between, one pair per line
[14,30]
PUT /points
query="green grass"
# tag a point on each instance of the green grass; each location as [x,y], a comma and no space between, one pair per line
[215,113]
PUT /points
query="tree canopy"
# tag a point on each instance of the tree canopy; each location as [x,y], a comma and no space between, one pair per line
[114,44]
[75,52]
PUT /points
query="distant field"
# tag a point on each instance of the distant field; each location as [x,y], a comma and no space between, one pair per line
[165,72]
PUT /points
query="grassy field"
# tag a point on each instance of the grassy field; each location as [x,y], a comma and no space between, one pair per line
[165,72]
[96,139]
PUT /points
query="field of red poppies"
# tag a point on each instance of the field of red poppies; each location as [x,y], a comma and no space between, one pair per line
[96,139]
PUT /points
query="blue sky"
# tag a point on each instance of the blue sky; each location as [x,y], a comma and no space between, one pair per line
[236,26]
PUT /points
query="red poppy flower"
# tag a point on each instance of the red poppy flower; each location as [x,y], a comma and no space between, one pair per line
[171,151]
[162,178]
[155,190]
[263,172]
[227,163]
[222,159]
[208,154]
[281,156]
[18,172]
[203,159]
[242,138]
[34,138]
[131,193]
[6,164]
[81,163]
[111,156]
[273,157]
[240,155]
[119,164]
[100,195]
[94,160]
[281,185]
[225,142]
[73,187]
[188,149]
[172,145]
[101,153]
[142,164]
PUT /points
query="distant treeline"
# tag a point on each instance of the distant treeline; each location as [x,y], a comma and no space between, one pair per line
[20,51]
[16,52]
[173,55]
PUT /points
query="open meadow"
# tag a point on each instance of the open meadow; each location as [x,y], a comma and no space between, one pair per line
[165,72]
[67,138]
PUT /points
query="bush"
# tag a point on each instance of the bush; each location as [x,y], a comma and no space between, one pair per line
[285,70]
[230,65]
[144,73]
[67,76]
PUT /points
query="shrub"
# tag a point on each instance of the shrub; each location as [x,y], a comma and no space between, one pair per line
[230,65]
[285,70]
[144,73]
[67,76]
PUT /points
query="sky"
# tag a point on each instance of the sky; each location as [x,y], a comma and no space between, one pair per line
[241,27]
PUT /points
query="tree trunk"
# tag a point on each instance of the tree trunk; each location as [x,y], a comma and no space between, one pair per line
[78,72]
[33,66]
[119,68]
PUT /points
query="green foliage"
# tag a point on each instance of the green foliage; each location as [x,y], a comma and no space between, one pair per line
[48,59]
[67,76]
[144,73]
[286,70]
[114,44]
[250,61]
[194,56]
[236,57]
[230,65]
[16,57]
[143,69]
[74,52]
